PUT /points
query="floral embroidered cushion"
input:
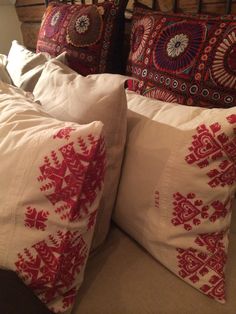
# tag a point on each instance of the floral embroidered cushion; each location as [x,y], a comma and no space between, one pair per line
[51,179]
[88,33]
[184,59]
[69,96]
[177,185]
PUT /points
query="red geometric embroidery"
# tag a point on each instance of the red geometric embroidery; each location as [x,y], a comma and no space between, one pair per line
[231,119]
[208,144]
[66,174]
[195,264]
[221,209]
[157,199]
[36,219]
[225,176]
[64,133]
[92,219]
[51,267]
[69,298]
[189,211]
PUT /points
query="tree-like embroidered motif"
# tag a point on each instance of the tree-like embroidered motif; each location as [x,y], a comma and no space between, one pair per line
[73,176]
[196,265]
[36,219]
[50,267]
[190,211]
[210,144]
[64,133]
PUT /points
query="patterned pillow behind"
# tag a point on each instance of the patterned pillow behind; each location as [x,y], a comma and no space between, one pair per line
[88,33]
[183,58]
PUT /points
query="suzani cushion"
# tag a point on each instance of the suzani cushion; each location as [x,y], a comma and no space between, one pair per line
[177,185]
[51,179]
[184,59]
[68,96]
[88,33]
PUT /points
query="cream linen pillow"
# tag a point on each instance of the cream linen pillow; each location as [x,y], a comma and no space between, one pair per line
[177,185]
[25,66]
[66,95]
[51,178]
[20,60]
[4,76]
[29,79]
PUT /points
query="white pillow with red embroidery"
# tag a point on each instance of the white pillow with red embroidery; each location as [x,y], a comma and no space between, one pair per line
[51,178]
[177,185]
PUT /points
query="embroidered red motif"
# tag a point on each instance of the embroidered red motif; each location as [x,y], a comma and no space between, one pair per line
[157,199]
[92,219]
[221,209]
[73,176]
[50,267]
[190,212]
[64,133]
[69,298]
[195,265]
[232,118]
[36,219]
[208,145]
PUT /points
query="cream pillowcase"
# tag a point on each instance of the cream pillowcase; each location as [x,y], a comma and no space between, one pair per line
[4,76]
[21,60]
[51,179]
[25,66]
[68,96]
[177,185]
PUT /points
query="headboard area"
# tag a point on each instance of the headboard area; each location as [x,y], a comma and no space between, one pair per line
[193,6]
[30,12]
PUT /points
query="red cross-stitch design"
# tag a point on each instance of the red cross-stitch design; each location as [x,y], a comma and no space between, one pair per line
[190,212]
[211,144]
[64,133]
[196,264]
[92,219]
[36,219]
[69,298]
[73,176]
[51,266]
[232,119]
[157,199]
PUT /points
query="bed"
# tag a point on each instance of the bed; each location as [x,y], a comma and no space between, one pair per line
[130,138]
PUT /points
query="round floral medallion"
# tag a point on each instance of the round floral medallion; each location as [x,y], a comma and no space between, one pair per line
[178,45]
[85,27]
[82,24]
[139,36]
[54,21]
[224,62]
[55,18]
